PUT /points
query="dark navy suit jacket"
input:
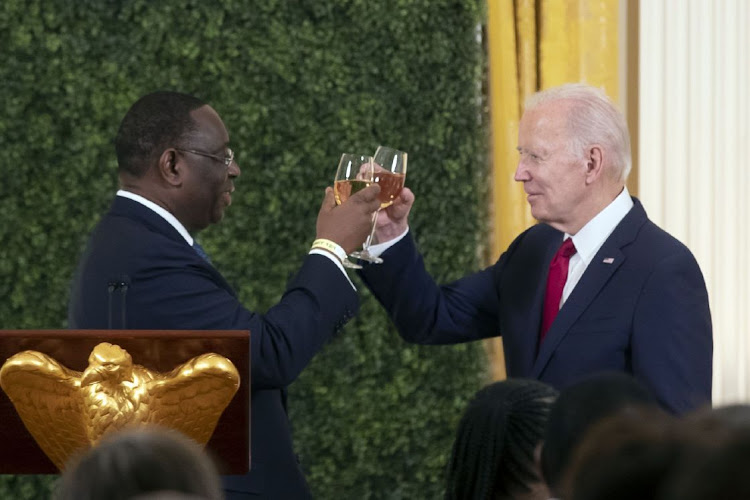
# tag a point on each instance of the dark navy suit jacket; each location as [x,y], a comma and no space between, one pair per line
[640,307]
[171,287]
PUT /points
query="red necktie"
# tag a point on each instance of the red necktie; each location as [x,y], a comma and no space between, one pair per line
[558,275]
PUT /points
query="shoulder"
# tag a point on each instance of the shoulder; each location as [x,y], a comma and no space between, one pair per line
[639,237]
[658,258]
[538,237]
[656,244]
[532,249]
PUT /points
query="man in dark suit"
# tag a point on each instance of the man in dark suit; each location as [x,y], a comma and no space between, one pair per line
[618,294]
[141,269]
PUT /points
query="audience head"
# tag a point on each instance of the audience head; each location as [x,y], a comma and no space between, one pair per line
[644,454]
[140,461]
[493,454]
[578,408]
[719,458]
[720,472]
[624,457]
[168,495]
[718,423]
[735,416]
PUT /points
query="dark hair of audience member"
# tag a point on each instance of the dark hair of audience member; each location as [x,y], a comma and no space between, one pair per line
[718,474]
[719,468]
[137,461]
[577,409]
[493,453]
[167,495]
[153,123]
[715,424]
[625,457]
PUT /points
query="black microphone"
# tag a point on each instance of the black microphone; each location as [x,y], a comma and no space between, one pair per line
[122,284]
[111,287]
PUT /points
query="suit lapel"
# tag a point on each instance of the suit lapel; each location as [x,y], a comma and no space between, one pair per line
[596,276]
[125,207]
[604,264]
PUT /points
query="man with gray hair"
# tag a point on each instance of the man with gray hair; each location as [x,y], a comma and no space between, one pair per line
[595,287]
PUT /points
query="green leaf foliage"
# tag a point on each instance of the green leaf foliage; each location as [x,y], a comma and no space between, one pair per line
[297,83]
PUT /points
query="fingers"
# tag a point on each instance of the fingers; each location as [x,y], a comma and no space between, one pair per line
[350,223]
[329,200]
[368,197]
[405,199]
[402,205]
[368,194]
[407,196]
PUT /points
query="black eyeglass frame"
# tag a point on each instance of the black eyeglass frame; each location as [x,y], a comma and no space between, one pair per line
[226,160]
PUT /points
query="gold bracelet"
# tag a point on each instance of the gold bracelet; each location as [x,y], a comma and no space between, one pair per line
[330,246]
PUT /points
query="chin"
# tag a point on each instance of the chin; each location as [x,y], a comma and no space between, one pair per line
[218,217]
[539,215]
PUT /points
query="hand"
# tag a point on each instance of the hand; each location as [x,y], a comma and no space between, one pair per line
[348,224]
[394,220]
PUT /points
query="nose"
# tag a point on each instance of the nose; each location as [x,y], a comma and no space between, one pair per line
[234,169]
[522,173]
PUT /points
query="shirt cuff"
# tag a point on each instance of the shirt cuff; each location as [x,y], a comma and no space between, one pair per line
[378,249]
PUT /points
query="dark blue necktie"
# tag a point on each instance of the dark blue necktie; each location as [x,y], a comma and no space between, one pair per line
[199,250]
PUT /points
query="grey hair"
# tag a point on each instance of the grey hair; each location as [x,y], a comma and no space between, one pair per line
[594,119]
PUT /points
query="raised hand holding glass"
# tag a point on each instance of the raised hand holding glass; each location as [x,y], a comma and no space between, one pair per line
[355,172]
[390,173]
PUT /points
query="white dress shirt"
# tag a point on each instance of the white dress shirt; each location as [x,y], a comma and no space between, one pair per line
[164,213]
[592,236]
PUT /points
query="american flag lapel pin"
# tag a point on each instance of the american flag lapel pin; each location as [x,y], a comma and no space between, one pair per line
[609,260]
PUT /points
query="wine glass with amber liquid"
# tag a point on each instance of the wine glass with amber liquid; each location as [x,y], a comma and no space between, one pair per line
[355,173]
[390,173]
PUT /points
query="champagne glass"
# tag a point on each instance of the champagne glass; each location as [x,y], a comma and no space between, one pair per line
[390,173]
[355,172]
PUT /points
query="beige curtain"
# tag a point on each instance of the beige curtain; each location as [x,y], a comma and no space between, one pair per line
[534,45]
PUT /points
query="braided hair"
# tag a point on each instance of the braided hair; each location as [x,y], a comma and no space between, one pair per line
[493,454]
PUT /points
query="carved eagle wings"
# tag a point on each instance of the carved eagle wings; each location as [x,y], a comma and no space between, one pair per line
[65,410]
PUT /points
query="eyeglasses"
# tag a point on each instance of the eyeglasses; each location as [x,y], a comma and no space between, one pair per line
[226,160]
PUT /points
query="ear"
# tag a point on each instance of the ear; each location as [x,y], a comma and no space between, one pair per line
[170,167]
[594,163]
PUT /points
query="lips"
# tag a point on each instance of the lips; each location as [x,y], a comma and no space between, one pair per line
[227,195]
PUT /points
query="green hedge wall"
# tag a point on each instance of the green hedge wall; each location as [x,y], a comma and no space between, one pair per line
[297,83]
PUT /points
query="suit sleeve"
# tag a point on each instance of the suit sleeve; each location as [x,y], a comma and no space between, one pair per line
[672,346]
[426,313]
[318,301]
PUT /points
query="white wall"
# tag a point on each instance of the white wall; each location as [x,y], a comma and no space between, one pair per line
[694,157]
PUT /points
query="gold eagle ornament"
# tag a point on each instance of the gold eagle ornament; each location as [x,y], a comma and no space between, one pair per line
[66,411]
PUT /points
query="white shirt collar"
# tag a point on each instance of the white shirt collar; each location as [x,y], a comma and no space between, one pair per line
[161,211]
[592,236]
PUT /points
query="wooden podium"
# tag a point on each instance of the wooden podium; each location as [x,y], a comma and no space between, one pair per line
[160,350]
